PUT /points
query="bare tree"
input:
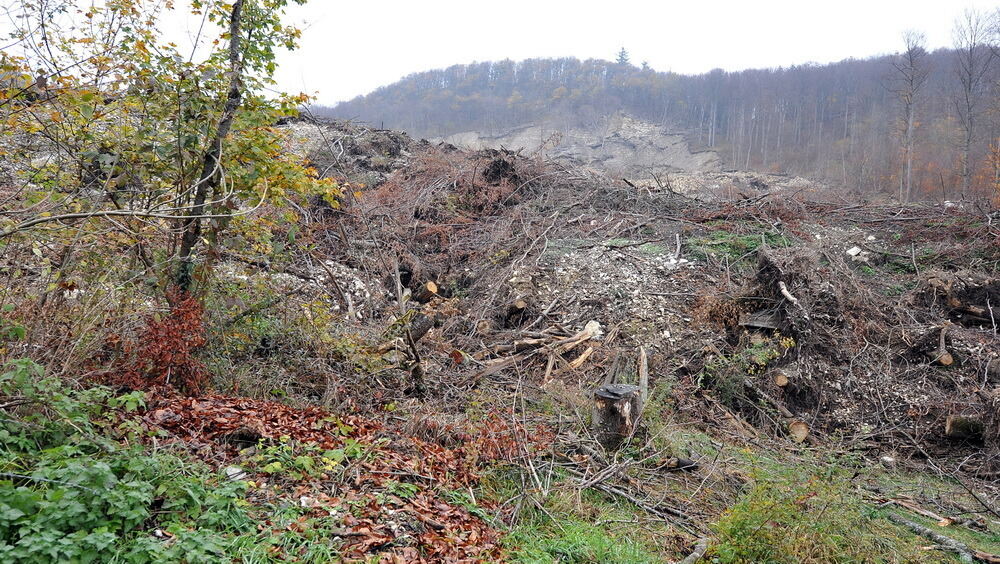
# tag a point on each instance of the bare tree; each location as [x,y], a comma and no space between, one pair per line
[911,74]
[973,58]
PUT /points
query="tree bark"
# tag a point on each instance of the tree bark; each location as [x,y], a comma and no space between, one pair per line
[964,427]
[208,181]
[616,411]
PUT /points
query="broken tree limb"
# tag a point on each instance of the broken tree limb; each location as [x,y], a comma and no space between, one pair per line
[590,331]
[674,464]
[670,514]
[578,361]
[643,375]
[907,504]
[941,355]
[560,346]
[419,325]
[700,548]
[951,545]
[795,301]
[344,296]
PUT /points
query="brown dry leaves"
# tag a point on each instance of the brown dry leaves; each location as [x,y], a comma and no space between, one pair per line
[363,500]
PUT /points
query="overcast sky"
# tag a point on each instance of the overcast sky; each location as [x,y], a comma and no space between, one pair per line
[352,47]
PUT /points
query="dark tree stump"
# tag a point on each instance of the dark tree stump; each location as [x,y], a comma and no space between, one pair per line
[964,427]
[616,411]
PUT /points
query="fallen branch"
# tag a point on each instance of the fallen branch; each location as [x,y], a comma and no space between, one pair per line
[666,513]
[788,296]
[643,375]
[699,552]
[558,347]
[941,355]
[911,505]
[951,545]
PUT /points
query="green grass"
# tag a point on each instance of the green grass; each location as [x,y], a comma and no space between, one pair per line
[574,528]
[812,511]
[540,539]
[921,486]
[726,244]
[986,541]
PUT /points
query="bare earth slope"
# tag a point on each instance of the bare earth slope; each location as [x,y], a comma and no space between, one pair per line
[620,145]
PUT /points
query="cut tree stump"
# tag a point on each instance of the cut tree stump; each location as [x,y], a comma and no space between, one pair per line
[780,379]
[993,370]
[964,427]
[516,311]
[798,430]
[425,292]
[616,411]
[517,307]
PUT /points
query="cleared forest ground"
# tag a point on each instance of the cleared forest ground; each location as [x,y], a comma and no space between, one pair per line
[414,380]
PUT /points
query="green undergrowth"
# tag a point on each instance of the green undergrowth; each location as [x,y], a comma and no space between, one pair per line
[947,498]
[798,506]
[563,526]
[811,511]
[722,243]
[986,541]
[76,486]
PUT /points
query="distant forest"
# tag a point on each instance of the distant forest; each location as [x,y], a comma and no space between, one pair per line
[856,124]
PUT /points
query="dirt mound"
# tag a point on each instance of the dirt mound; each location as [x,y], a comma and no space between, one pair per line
[759,309]
[621,146]
[356,153]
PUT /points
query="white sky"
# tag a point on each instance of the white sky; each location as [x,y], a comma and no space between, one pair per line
[352,47]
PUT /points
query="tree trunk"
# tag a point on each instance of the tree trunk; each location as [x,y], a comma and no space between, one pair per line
[212,161]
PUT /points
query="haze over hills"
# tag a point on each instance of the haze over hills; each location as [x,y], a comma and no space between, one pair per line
[841,123]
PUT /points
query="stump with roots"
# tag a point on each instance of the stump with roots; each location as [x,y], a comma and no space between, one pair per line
[616,412]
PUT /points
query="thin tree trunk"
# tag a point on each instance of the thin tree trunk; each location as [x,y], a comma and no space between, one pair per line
[210,176]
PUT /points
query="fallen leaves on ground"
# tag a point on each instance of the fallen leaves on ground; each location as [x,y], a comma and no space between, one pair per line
[361,500]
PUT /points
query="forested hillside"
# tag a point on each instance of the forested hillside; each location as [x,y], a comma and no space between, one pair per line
[845,122]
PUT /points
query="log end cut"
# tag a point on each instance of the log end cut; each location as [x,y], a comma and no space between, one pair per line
[798,430]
